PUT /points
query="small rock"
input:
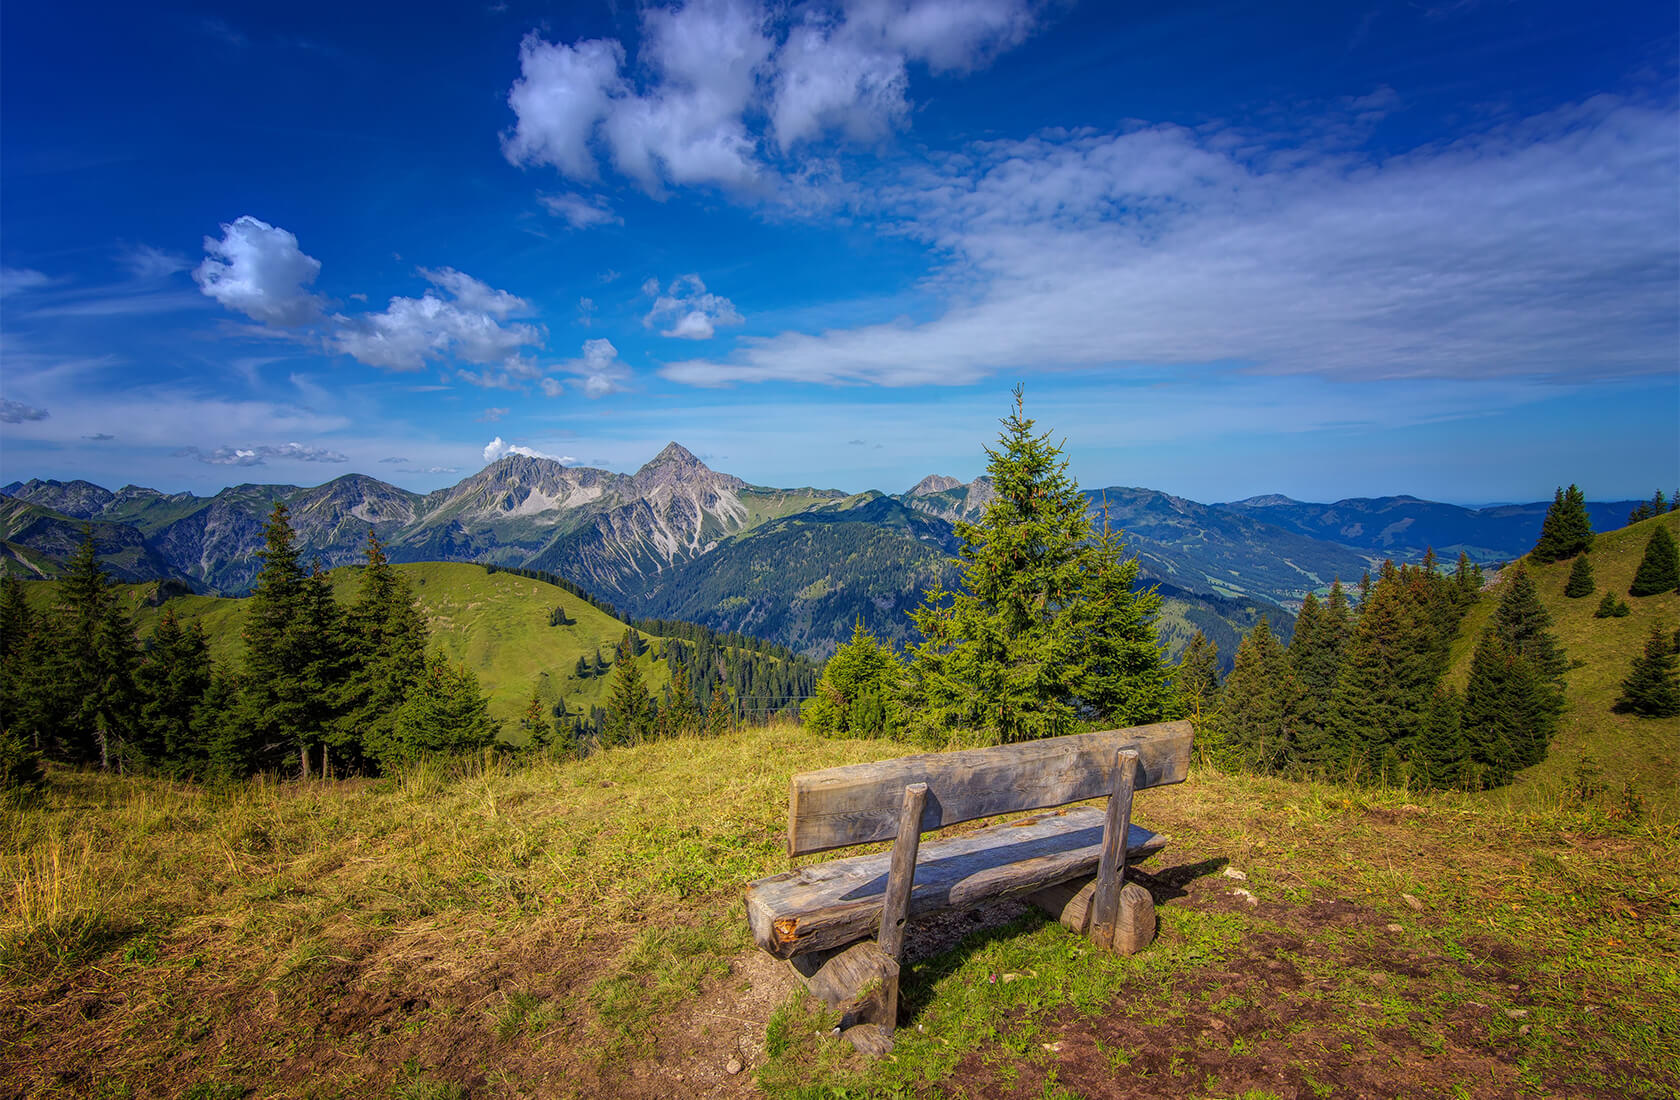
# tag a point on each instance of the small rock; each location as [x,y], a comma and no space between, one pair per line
[733,1067]
[1054,1048]
[1516,1013]
[1413,902]
[1010,976]
[1396,928]
[1525,1029]
[1246,896]
[1232,872]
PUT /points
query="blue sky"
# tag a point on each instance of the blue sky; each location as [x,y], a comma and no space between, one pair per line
[1325,250]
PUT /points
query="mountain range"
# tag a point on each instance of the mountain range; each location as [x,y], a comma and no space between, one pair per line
[799,566]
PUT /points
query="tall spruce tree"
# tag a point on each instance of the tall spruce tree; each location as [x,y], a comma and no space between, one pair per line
[386,642]
[1659,569]
[1580,581]
[1255,726]
[1198,675]
[97,658]
[628,721]
[1390,667]
[20,763]
[1525,624]
[1025,649]
[717,711]
[1442,758]
[173,679]
[1652,689]
[1467,581]
[681,707]
[1566,530]
[536,725]
[1315,657]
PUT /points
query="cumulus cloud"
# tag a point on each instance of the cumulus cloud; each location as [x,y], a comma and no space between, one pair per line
[498,448]
[258,455]
[1545,247]
[471,323]
[16,412]
[600,369]
[580,212]
[687,309]
[725,80]
[259,270]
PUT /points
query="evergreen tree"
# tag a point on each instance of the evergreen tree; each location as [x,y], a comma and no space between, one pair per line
[682,709]
[1121,678]
[627,708]
[582,670]
[1012,654]
[173,679]
[1442,758]
[445,713]
[386,650]
[16,619]
[1258,708]
[1392,663]
[1652,689]
[95,664]
[1659,569]
[1315,658]
[1581,581]
[1510,710]
[1611,608]
[279,651]
[717,712]
[20,763]
[1198,675]
[1566,530]
[1525,625]
[855,694]
[1467,581]
[535,724]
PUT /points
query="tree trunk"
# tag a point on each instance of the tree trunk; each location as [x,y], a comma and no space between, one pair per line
[303,758]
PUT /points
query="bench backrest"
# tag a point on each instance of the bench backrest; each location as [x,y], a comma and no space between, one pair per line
[859,804]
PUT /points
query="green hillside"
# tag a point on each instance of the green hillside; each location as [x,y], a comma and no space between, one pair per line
[1644,751]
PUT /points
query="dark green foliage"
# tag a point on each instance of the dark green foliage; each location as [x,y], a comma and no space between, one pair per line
[20,763]
[1652,689]
[582,671]
[558,617]
[761,681]
[1566,530]
[717,714]
[1514,696]
[628,718]
[173,679]
[1198,676]
[1315,658]
[1525,625]
[1043,635]
[856,693]
[1659,569]
[93,667]
[536,725]
[1581,581]
[445,713]
[1255,725]
[682,710]
[1656,506]
[1442,758]
[1611,608]
[1467,580]
[385,640]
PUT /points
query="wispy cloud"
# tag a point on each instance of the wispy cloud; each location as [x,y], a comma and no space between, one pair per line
[687,309]
[258,455]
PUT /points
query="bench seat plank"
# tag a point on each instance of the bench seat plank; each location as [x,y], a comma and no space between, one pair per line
[859,803]
[832,904]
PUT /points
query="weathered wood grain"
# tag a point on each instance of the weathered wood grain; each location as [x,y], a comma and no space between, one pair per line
[895,907]
[861,982]
[1070,903]
[1111,868]
[859,804]
[831,904]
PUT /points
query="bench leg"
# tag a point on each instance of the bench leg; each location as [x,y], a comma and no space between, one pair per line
[1070,903]
[860,982]
[1111,868]
[901,876]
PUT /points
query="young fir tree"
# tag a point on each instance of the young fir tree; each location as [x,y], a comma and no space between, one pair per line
[1525,625]
[1467,581]
[1009,655]
[1122,677]
[856,692]
[1566,530]
[1611,608]
[386,649]
[20,764]
[717,712]
[582,670]
[627,706]
[536,725]
[445,713]
[681,708]
[173,679]
[1659,569]
[1652,689]
[1198,676]
[1315,657]
[1254,728]
[1580,581]
[1389,670]
[96,661]
[281,651]
[1441,759]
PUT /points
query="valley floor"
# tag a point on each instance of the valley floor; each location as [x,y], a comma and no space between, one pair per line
[575,929]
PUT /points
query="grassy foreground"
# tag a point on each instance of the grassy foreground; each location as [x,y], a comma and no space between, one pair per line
[575,929]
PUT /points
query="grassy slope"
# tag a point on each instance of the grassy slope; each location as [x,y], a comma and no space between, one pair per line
[575,929]
[1643,751]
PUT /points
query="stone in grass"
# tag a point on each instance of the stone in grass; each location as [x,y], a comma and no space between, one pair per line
[1413,902]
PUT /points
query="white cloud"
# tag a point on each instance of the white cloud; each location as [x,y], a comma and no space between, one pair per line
[580,212]
[257,456]
[498,448]
[490,416]
[16,280]
[688,310]
[600,369]
[16,412]
[149,264]
[552,387]
[472,325]
[728,79]
[258,270]
[1546,248]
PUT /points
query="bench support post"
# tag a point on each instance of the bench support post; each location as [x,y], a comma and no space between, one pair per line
[895,907]
[1111,868]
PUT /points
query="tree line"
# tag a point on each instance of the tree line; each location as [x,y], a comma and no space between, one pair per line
[322,686]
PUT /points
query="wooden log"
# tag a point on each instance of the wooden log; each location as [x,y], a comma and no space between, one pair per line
[859,804]
[1070,903]
[861,982]
[1111,868]
[833,904]
[872,1040]
[895,907]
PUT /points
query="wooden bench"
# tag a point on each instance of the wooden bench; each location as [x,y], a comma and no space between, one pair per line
[1070,862]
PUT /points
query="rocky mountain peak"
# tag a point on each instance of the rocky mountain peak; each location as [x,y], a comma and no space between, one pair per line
[933,483]
[675,465]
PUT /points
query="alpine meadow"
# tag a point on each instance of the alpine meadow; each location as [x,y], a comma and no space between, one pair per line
[845,549]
